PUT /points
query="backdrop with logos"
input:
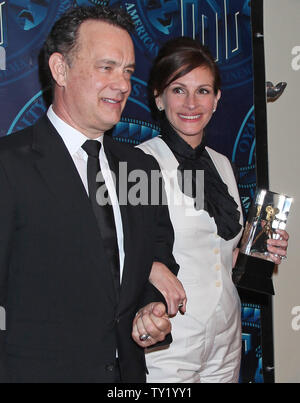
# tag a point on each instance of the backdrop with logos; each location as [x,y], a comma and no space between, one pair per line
[225,26]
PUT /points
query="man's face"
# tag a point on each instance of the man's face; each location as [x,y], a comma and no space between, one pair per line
[97,82]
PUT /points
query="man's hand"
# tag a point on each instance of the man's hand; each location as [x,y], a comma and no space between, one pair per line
[168,284]
[151,321]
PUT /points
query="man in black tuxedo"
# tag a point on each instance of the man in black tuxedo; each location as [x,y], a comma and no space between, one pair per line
[74,274]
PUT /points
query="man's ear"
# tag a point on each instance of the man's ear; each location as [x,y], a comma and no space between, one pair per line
[58,67]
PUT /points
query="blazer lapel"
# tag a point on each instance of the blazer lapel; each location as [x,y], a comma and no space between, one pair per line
[132,218]
[57,169]
[114,163]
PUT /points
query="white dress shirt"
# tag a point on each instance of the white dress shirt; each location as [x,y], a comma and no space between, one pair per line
[74,141]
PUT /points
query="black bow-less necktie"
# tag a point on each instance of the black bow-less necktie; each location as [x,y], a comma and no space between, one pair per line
[102,207]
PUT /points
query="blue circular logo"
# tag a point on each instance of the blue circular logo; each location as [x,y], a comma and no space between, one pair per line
[129,130]
[30,113]
[28,23]
[224,27]
[91,2]
[244,148]
[134,131]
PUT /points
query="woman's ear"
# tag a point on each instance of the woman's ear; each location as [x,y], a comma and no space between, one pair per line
[217,97]
[58,67]
[158,101]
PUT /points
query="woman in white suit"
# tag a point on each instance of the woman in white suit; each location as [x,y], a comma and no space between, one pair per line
[185,88]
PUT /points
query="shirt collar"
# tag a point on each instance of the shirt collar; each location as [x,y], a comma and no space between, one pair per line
[72,138]
[178,145]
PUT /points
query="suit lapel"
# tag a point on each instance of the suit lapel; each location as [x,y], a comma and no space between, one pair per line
[114,159]
[58,171]
[132,218]
[57,168]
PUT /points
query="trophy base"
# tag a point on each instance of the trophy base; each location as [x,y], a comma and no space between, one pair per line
[253,274]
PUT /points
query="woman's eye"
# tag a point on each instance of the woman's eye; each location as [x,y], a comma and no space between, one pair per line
[204,91]
[177,90]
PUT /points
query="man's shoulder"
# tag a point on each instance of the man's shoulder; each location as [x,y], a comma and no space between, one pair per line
[16,140]
[128,152]
[25,137]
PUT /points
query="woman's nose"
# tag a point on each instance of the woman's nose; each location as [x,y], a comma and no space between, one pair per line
[190,101]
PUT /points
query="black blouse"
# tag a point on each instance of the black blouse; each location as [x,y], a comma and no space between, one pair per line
[217,201]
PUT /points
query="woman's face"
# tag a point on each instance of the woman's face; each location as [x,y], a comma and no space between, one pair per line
[189,103]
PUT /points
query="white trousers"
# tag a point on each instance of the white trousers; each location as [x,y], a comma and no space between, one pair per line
[209,353]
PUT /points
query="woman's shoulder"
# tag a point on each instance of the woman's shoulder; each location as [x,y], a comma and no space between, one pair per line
[150,145]
[150,142]
[216,154]
[222,162]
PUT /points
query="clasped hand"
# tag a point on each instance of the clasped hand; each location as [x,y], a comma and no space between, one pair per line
[151,321]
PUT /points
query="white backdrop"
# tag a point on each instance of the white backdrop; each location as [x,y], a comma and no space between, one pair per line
[282,52]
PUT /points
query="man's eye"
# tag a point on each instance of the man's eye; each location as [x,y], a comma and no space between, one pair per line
[105,68]
[129,72]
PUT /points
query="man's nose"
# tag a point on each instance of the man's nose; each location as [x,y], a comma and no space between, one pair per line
[121,83]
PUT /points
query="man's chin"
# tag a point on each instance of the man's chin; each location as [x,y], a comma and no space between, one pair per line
[109,126]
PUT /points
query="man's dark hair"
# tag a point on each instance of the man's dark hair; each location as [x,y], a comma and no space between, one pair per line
[64,34]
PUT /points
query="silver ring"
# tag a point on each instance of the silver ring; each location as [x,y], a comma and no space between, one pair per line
[145,337]
[180,305]
[281,257]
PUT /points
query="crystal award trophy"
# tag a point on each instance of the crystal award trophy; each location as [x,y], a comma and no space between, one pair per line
[254,267]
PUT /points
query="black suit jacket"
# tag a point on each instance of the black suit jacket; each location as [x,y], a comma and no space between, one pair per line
[64,316]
